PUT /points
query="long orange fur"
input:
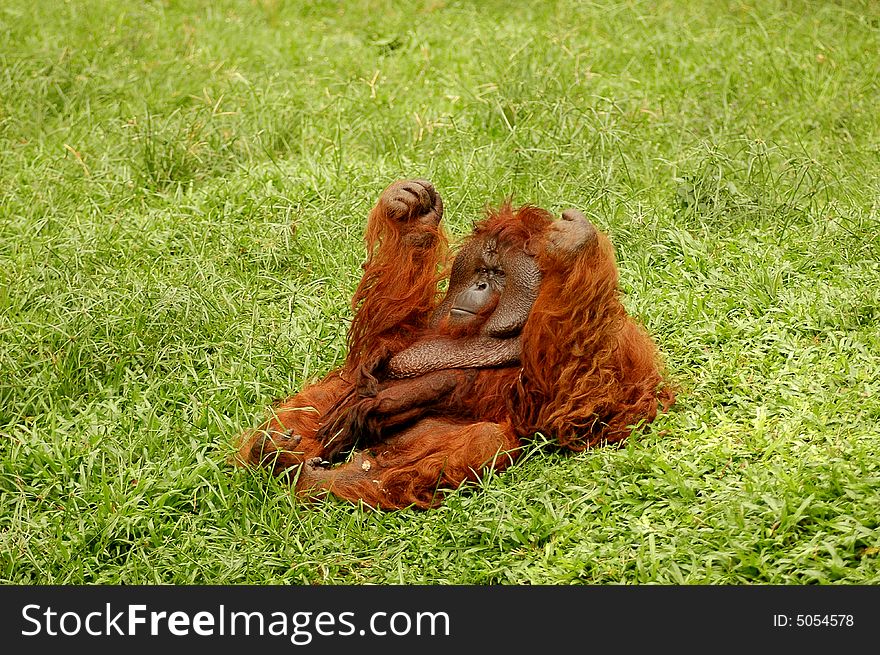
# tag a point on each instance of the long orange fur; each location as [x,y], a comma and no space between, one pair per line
[588,374]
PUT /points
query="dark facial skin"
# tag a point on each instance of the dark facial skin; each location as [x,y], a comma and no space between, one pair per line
[491,291]
[476,286]
[477,298]
[483,273]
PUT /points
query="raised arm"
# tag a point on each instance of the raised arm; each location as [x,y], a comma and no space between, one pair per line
[398,291]
[589,372]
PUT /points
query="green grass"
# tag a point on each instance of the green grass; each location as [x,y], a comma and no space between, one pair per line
[184,189]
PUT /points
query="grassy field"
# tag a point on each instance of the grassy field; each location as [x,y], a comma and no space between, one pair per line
[184,189]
